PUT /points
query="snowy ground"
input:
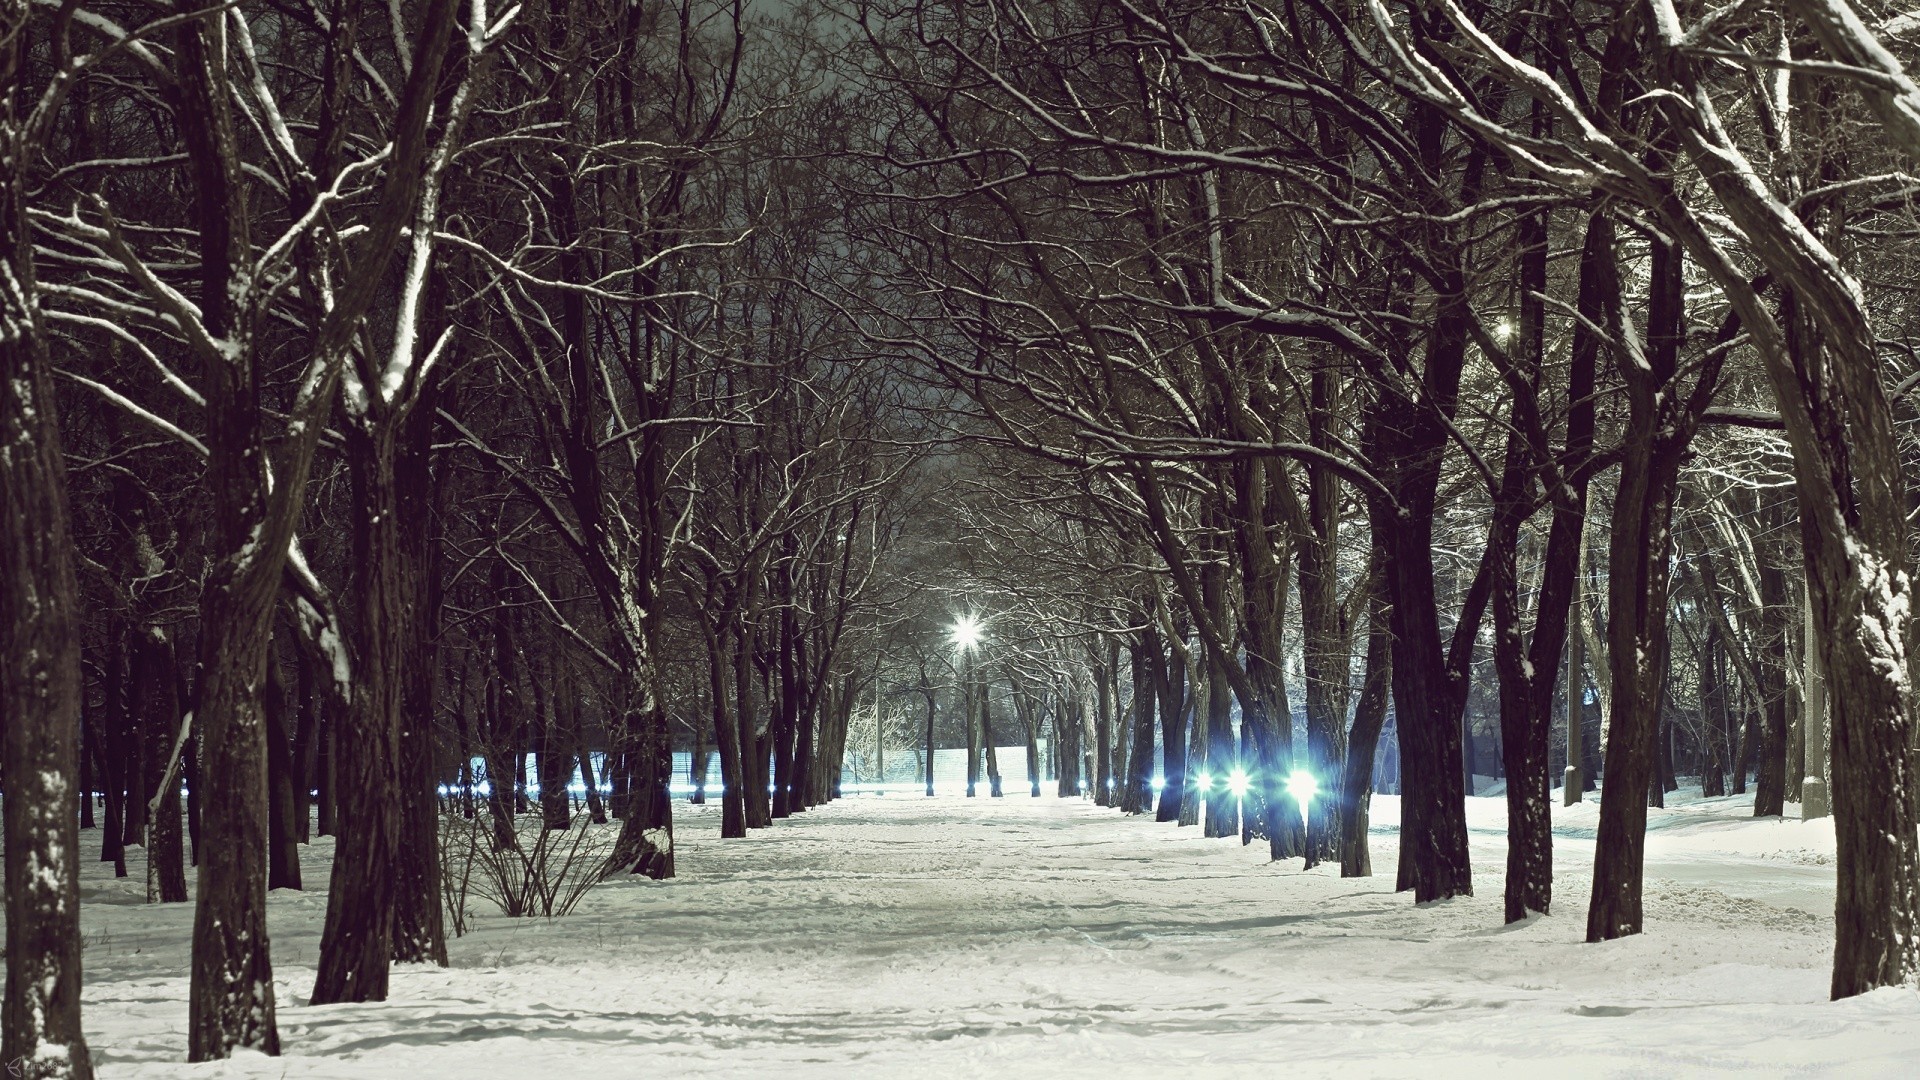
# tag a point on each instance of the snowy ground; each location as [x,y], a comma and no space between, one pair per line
[944,937]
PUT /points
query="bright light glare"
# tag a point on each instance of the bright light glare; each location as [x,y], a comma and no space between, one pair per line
[1159,783]
[1303,787]
[1237,782]
[966,631]
[1503,330]
[1202,781]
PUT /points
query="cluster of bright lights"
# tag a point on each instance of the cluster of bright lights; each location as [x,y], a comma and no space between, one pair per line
[1301,785]
[966,632]
[1237,782]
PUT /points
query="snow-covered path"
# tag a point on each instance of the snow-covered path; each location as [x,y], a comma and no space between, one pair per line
[945,937]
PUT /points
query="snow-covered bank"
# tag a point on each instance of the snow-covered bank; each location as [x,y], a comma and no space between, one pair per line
[948,937]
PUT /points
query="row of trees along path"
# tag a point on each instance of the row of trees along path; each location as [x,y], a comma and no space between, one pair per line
[394,401]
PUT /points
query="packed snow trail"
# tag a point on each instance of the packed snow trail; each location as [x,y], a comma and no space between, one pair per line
[906,936]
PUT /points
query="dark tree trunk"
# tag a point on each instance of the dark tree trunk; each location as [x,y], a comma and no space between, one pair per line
[283,845]
[87,784]
[1031,726]
[305,744]
[787,710]
[1200,695]
[1654,443]
[697,764]
[1170,679]
[326,815]
[726,731]
[112,795]
[1103,731]
[753,740]
[553,761]
[1222,809]
[189,768]
[1369,715]
[1429,693]
[987,740]
[927,690]
[356,944]
[40,687]
[113,750]
[134,766]
[1713,710]
[1326,637]
[1770,651]
[419,922]
[645,845]
[1066,744]
[1139,794]
[596,809]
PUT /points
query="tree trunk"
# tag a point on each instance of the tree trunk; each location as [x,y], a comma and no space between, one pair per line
[1103,733]
[40,687]
[283,844]
[419,920]
[111,723]
[1654,442]
[1356,795]
[356,944]
[986,737]
[753,743]
[596,809]
[1326,639]
[1137,797]
[326,815]
[157,686]
[1174,706]
[1428,698]
[306,731]
[1770,788]
[726,732]
[927,690]
[1222,811]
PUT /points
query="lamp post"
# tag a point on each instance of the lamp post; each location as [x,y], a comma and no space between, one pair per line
[1574,781]
[966,634]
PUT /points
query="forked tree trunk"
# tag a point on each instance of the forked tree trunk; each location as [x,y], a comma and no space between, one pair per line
[597,809]
[1639,583]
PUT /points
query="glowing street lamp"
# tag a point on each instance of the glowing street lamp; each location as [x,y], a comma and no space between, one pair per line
[965,635]
[1303,787]
[1238,782]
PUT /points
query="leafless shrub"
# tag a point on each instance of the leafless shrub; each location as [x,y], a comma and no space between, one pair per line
[542,872]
